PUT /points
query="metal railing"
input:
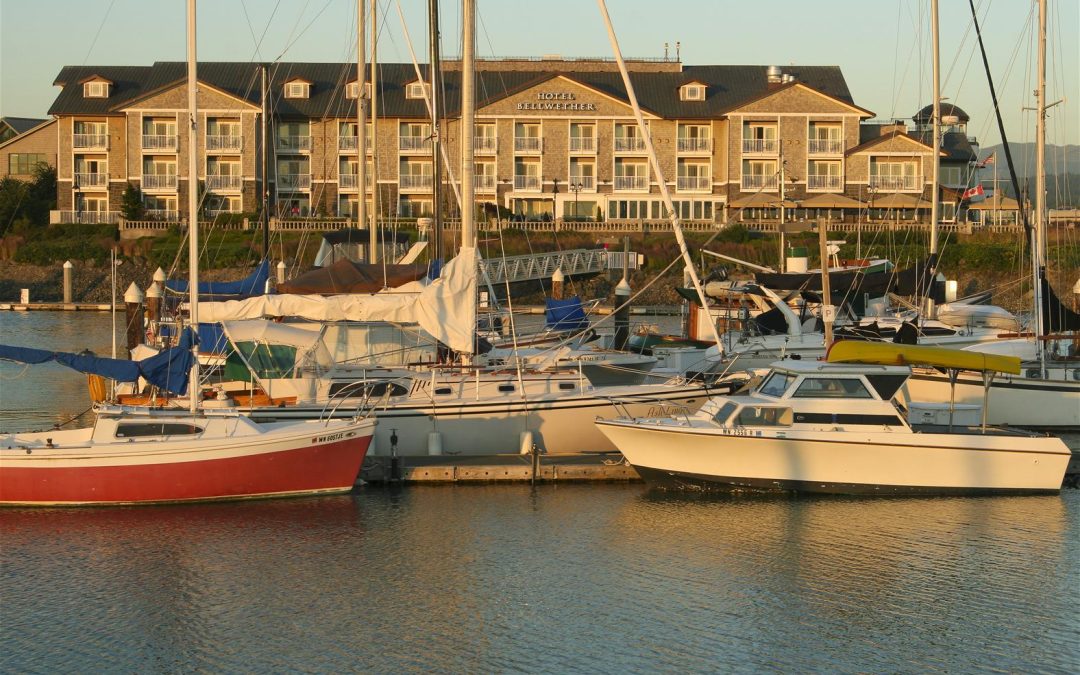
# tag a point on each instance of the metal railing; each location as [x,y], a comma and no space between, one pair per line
[293,143]
[693,183]
[895,183]
[694,144]
[824,182]
[527,183]
[760,146]
[484,182]
[485,144]
[170,215]
[527,144]
[224,142]
[224,182]
[159,141]
[825,146]
[89,217]
[159,181]
[629,144]
[91,180]
[414,143]
[294,181]
[90,141]
[760,182]
[625,183]
[586,182]
[415,182]
[349,181]
[583,144]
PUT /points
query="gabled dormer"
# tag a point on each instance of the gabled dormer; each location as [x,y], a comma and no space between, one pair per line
[298,87]
[694,90]
[416,89]
[351,88]
[96,86]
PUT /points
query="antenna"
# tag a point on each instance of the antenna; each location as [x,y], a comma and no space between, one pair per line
[678,50]
[665,51]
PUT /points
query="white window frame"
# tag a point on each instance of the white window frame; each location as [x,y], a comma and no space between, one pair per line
[96,89]
[297,90]
[693,92]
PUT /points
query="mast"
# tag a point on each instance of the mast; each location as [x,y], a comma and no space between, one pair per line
[436,172]
[468,124]
[193,203]
[262,160]
[935,187]
[361,134]
[1038,247]
[675,226]
[374,130]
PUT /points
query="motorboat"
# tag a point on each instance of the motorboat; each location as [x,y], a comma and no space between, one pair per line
[840,428]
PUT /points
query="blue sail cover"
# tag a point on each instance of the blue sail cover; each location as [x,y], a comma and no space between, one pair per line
[565,314]
[167,370]
[254,284]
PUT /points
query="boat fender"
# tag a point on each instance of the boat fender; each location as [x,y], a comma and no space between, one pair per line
[434,443]
[525,443]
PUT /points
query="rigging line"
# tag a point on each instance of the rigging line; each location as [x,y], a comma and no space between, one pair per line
[93,42]
[293,40]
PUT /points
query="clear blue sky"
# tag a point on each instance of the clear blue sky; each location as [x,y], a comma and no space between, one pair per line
[882,46]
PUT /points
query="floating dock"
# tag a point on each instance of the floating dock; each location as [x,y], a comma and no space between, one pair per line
[57,307]
[594,467]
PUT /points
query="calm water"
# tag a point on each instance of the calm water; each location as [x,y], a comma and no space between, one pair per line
[564,578]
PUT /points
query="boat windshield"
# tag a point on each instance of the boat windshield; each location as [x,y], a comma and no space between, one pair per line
[764,416]
[832,387]
[776,384]
[724,413]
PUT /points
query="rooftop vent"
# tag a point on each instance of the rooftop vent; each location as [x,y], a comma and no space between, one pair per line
[773,75]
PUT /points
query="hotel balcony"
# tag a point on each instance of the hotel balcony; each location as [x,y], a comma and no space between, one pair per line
[485,183]
[760,182]
[348,143]
[90,141]
[222,143]
[586,144]
[760,146]
[414,143]
[631,183]
[287,182]
[825,146]
[89,217]
[224,182]
[587,183]
[528,144]
[158,181]
[168,215]
[631,144]
[896,183]
[85,181]
[694,184]
[159,142]
[824,182]
[694,145]
[486,145]
[349,181]
[293,144]
[527,183]
[415,182]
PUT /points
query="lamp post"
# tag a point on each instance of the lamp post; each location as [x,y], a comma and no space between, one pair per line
[576,189]
[75,189]
[554,198]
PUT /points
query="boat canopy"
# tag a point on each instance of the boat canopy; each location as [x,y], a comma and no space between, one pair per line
[346,276]
[253,284]
[884,353]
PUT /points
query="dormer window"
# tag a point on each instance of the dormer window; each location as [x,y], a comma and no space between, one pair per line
[297,89]
[99,89]
[416,89]
[695,91]
[351,89]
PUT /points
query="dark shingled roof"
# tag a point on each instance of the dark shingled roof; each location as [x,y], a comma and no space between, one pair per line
[926,115]
[954,143]
[21,125]
[657,92]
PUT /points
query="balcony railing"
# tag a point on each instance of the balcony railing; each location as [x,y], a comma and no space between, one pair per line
[527,144]
[294,181]
[694,145]
[293,143]
[349,181]
[760,182]
[760,146]
[90,217]
[825,146]
[694,183]
[587,183]
[224,182]
[527,183]
[896,183]
[415,181]
[414,143]
[170,215]
[91,180]
[485,144]
[90,141]
[582,144]
[159,141]
[635,183]
[224,142]
[348,143]
[629,144]
[158,181]
[824,182]
[484,182]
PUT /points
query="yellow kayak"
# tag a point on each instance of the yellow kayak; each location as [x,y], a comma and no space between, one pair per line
[889,354]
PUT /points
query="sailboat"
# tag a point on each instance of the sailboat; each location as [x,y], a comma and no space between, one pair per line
[150,456]
[1045,394]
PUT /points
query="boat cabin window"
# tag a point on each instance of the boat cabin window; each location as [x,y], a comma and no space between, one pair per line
[566,386]
[506,387]
[832,387]
[764,416]
[371,389]
[143,429]
[443,391]
[776,384]
[724,412]
[886,385]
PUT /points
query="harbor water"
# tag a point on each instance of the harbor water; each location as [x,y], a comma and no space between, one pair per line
[498,578]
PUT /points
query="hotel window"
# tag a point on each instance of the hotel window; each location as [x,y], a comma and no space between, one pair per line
[759,175]
[416,90]
[694,138]
[692,92]
[824,176]
[583,173]
[759,137]
[894,175]
[297,89]
[96,90]
[582,137]
[23,163]
[351,89]
[826,137]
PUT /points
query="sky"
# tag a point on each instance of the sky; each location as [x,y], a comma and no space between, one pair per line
[883,47]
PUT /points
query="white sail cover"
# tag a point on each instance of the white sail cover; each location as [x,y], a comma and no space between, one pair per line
[445,308]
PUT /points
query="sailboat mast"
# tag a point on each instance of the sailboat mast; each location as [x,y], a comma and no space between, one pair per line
[361,133]
[193,202]
[374,129]
[935,183]
[468,123]
[436,171]
[1038,248]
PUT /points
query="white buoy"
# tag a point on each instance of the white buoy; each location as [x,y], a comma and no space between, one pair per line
[281,272]
[525,444]
[434,443]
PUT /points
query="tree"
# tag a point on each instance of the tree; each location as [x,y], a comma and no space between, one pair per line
[13,194]
[131,204]
[41,195]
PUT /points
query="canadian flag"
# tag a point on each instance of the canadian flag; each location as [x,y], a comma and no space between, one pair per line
[976,191]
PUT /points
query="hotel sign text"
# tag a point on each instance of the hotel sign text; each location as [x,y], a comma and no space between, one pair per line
[556,100]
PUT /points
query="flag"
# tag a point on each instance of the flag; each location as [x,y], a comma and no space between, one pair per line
[976,191]
[988,161]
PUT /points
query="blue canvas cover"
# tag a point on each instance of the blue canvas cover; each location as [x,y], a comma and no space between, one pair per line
[565,314]
[254,284]
[212,338]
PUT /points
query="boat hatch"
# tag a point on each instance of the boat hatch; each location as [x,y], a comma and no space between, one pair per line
[724,413]
[144,429]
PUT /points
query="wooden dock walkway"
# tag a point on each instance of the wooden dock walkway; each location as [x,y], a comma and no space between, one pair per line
[57,307]
[588,467]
